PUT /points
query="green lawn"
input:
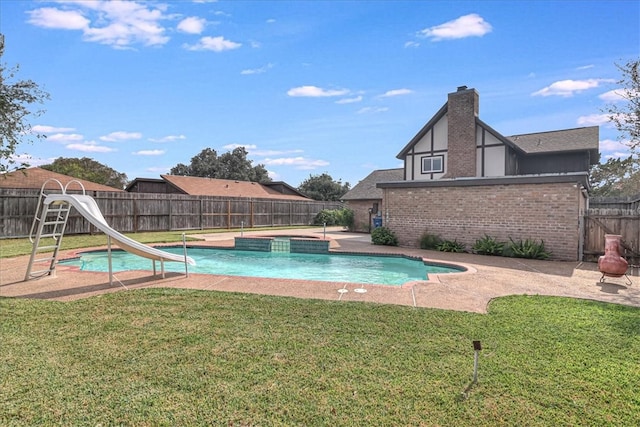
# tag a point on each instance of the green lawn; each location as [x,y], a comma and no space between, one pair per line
[179,357]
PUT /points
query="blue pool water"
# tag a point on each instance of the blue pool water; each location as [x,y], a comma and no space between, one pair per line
[388,270]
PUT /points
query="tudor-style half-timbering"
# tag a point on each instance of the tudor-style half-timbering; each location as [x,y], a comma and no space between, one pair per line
[455,143]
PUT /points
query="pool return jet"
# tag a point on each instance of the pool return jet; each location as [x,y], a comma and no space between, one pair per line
[50,221]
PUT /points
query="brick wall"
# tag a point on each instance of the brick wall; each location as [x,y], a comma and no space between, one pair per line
[361,213]
[548,211]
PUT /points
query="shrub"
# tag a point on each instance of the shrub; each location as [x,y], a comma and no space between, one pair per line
[528,249]
[383,236]
[429,241]
[451,246]
[488,246]
[344,217]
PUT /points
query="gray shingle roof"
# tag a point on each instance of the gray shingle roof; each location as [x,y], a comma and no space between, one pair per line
[367,190]
[578,139]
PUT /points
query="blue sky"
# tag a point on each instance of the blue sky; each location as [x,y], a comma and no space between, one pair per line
[307,87]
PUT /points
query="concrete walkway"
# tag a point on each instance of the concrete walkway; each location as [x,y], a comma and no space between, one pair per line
[487,278]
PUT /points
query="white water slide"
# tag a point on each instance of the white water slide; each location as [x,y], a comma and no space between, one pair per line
[59,205]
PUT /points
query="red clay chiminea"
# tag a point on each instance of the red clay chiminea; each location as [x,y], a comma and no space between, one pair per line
[611,263]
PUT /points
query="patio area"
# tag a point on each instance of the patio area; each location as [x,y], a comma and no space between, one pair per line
[487,278]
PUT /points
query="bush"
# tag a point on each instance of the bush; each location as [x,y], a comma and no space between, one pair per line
[488,246]
[383,236]
[528,249]
[451,246]
[344,217]
[429,241]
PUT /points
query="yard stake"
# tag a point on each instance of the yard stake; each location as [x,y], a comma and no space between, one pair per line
[476,350]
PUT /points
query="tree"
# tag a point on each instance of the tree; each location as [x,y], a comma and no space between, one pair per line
[231,165]
[323,187]
[88,169]
[15,99]
[626,117]
[616,177]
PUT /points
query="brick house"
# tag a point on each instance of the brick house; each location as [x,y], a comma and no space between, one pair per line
[462,179]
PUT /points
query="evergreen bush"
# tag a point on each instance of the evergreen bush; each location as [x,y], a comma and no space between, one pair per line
[383,236]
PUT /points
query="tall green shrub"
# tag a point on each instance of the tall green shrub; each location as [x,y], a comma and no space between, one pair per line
[383,236]
[343,217]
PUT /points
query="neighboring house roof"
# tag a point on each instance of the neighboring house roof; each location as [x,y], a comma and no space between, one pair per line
[197,186]
[367,190]
[36,177]
[567,140]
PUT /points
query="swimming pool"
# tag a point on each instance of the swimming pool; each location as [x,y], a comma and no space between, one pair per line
[353,268]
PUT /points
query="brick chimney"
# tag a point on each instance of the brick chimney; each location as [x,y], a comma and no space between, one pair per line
[462,110]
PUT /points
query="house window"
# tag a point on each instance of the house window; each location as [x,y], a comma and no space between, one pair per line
[433,164]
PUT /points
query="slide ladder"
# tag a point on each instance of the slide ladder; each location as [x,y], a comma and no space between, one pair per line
[46,232]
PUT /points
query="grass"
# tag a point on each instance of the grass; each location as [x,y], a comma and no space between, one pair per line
[158,357]
[22,246]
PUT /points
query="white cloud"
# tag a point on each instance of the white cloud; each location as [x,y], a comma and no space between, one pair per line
[371,110]
[585,67]
[49,17]
[192,25]
[65,137]
[611,145]
[396,92]
[247,147]
[90,147]
[315,92]
[568,88]
[50,129]
[148,153]
[472,25]
[119,24]
[30,160]
[168,138]
[256,70]
[271,21]
[411,43]
[298,162]
[121,136]
[594,120]
[215,44]
[615,95]
[268,153]
[349,100]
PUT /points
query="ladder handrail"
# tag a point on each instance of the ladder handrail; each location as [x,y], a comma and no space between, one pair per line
[42,196]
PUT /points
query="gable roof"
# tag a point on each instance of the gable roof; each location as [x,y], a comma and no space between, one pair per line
[367,188]
[567,140]
[197,186]
[557,141]
[422,132]
[35,177]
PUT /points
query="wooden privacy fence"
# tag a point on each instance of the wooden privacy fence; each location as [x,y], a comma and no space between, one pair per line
[612,216]
[136,212]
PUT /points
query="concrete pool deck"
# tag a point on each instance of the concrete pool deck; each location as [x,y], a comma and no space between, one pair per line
[488,277]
